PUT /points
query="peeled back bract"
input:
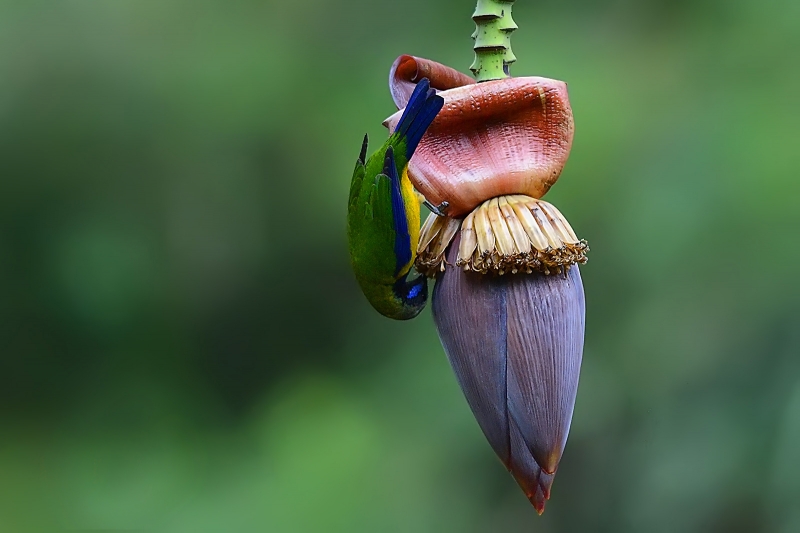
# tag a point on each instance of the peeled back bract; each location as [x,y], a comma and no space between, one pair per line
[508,136]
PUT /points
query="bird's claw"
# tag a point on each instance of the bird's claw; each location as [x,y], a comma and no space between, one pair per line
[437,210]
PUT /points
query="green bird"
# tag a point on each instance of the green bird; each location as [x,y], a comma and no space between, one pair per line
[383,214]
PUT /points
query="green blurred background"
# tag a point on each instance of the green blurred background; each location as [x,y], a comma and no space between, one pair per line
[183,347]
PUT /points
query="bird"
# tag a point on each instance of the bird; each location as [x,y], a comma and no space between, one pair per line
[383,216]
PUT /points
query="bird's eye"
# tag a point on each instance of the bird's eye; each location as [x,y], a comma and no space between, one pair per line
[414,291]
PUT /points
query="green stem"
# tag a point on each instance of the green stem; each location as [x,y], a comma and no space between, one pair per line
[493,27]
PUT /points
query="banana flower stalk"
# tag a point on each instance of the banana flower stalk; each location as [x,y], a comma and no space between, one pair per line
[508,302]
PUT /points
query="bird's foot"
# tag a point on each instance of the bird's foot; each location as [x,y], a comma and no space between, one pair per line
[437,210]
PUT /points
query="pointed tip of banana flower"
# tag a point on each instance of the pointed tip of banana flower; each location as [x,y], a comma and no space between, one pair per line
[538,503]
[539,496]
[527,472]
[515,343]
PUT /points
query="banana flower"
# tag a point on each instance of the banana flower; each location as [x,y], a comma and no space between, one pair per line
[508,302]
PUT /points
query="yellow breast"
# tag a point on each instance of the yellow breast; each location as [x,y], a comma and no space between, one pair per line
[412,215]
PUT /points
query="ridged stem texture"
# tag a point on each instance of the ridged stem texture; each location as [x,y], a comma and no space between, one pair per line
[493,27]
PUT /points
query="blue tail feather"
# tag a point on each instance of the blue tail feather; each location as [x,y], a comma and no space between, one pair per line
[422,108]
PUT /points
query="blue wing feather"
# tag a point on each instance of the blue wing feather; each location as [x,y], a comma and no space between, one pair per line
[402,238]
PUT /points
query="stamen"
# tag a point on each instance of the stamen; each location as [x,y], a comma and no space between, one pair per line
[509,234]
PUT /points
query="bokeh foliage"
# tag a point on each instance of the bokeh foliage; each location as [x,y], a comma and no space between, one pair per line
[183,347]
